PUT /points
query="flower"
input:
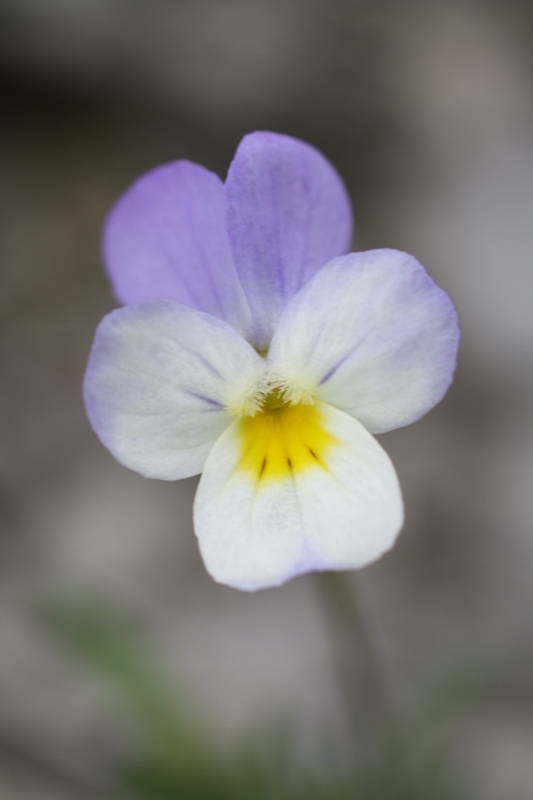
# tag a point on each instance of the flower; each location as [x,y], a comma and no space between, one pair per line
[252,349]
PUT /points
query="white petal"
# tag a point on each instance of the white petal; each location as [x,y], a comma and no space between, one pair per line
[376,336]
[259,524]
[157,383]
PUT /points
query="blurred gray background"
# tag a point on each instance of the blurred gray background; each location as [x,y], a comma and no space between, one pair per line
[426,109]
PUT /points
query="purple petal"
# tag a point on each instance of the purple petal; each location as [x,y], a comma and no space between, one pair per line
[288,214]
[165,239]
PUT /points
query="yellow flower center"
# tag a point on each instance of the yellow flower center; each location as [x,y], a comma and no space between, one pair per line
[282,439]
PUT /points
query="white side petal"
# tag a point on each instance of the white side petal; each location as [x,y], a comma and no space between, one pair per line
[341,512]
[157,383]
[374,335]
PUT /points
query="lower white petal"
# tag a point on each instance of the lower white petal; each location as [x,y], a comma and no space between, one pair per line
[320,494]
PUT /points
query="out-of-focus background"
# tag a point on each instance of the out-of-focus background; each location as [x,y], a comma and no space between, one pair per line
[426,109]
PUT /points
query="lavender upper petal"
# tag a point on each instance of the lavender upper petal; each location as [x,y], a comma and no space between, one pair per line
[288,214]
[166,239]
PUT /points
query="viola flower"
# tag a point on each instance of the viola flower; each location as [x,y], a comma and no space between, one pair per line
[254,350]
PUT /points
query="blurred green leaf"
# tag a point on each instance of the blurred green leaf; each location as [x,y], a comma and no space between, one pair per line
[459,688]
[180,763]
[152,781]
[110,646]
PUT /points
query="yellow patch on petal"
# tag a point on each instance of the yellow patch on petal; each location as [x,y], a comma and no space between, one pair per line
[283,439]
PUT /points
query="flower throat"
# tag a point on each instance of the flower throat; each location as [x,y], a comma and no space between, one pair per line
[282,439]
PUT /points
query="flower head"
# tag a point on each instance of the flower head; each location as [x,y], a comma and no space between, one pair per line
[253,349]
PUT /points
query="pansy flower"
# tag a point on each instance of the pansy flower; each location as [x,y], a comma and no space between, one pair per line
[254,349]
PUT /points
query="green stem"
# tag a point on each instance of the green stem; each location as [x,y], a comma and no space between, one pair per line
[371,714]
